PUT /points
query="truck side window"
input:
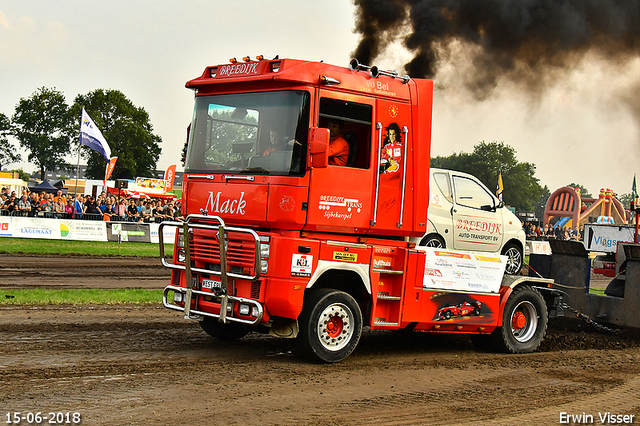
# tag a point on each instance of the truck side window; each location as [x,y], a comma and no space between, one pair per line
[357,119]
[470,194]
[442,180]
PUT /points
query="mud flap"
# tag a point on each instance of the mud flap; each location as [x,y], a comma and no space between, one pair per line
[284,327]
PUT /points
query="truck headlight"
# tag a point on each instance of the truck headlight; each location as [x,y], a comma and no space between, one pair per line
[244,309]
[264,251]
[265,248]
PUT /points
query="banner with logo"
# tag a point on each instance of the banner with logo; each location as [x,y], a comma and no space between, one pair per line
[448,270]
[128,231]
[33,227]
[169,176]
[83,230]
[168,233]
[5,226]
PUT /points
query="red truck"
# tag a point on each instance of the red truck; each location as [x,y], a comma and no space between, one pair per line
[289,232]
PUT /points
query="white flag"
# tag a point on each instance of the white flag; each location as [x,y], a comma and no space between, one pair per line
[91,136]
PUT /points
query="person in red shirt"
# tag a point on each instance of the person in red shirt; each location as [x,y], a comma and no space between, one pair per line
[391,157]
[338,147]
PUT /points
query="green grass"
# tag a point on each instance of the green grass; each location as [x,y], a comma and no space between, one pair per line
[91,248]
[94,296]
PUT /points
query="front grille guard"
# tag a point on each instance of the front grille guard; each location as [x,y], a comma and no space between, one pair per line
[196,221]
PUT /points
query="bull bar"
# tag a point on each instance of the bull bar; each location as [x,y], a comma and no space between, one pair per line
[213,223]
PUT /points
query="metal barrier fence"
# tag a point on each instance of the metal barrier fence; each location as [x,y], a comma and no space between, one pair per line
[83,216]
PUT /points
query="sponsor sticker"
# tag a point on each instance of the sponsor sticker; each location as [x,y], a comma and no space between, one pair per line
[301,265]
[345,257]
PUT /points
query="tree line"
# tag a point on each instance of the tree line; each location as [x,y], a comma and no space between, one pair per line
[522,190]
[49,130]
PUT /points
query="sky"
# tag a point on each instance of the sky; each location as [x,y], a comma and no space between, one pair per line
[583,129]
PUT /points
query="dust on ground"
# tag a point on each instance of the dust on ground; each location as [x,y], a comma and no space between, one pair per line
[142,365]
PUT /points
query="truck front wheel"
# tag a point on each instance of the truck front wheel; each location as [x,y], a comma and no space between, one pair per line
[524,321]
[330,325]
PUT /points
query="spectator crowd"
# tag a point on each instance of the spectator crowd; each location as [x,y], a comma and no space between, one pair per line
[548,231]
[104,207]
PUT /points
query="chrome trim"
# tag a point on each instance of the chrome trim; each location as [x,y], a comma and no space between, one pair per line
[345,244]
[236,299]
[232,177]
[210,177]
[216,223]
[187,261]
[375,203]
[405,130]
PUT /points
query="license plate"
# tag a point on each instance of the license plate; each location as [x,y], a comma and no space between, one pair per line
[211,284]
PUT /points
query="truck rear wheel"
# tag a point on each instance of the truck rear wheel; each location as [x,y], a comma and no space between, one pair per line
[524,322]
[330,325]
[229,331]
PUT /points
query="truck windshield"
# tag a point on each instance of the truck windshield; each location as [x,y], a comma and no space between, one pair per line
[250,133]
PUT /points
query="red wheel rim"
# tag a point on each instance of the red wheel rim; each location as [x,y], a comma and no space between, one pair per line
[334,326]
[519,321]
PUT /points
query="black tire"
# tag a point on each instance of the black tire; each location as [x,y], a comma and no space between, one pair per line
[330,325]
[524,322]
[514,258]
[447,315]
[433,240]
[229,331]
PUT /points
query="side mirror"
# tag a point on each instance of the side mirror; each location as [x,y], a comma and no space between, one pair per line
[319,147]
[500,204]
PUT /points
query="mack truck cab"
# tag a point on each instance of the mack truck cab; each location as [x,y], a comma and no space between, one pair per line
[279,238]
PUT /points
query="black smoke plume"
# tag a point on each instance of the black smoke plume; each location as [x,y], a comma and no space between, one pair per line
[524,40]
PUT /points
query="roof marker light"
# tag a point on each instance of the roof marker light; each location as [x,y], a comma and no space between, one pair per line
[246,58]
[233,60]
[329,81]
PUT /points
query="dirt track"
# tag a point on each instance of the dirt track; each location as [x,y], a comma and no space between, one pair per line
[146,365]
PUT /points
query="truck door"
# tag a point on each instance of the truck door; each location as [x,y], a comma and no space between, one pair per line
[394,207]
[340,195]
[476,221]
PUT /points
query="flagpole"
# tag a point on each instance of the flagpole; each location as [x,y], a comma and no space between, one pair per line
[78,163]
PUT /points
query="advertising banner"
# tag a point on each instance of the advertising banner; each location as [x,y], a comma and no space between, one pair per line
[82,230]
[168,233]
[129,231]
[5,226]
[538,247]
[32,227]
[448,270]
[605,238]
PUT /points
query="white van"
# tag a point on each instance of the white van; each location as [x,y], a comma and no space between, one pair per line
[464,215]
